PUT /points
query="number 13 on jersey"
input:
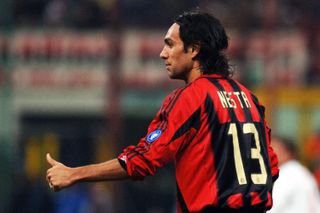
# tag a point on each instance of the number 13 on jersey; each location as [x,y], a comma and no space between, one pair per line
[257,178]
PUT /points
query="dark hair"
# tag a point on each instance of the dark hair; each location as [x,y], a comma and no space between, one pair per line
[288,144]
[203,29]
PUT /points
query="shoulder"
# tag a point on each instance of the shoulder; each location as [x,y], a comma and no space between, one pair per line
[195,91]
[189,96]
[300,171]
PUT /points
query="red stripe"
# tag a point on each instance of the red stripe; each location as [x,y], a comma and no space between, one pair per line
[163,125]
[163,111]
[255,113]
[255,198]
[235,201]
[237,111]
[269,203]
[137,151]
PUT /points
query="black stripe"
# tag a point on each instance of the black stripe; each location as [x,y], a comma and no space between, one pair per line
[193,121]
[236,88]
[217,144]
[165,120]
[216,83]
[161,119]
[264,147]
[177,97]
[222,148]
[211,112]
[163,109]
[260,108]
[274,178]
[163,125]
[123,164]
[250,209]
[255,99]
[137,151]
[255,168]
[164,112]
[181,201]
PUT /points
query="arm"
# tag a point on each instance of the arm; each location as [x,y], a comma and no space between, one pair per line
[272,156]
[170,131]
[60,176]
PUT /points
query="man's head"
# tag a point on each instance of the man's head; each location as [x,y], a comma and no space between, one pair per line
[198,38]
[285,148]
[178,59]
[205,31]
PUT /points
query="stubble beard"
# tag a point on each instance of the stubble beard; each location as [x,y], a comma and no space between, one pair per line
[177,75]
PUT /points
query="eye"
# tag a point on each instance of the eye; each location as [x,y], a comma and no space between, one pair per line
[168,42]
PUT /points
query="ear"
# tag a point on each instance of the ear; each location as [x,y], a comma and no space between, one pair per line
[195,49]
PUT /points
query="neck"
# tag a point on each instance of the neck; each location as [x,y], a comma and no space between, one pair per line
[194,73]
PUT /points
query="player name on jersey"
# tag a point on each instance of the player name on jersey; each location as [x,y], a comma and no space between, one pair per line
[233,99]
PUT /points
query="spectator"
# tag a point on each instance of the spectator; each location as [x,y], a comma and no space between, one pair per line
[312,150]
[295,190]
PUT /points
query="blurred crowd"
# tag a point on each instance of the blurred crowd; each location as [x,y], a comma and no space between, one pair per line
[299,20]
[93,14]
[245,15]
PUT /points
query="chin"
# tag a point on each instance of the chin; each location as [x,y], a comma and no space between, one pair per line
[171,75]
[175,77]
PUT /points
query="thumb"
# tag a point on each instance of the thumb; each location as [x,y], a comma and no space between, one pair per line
[50,160]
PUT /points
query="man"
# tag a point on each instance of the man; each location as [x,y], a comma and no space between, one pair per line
[296,189]
[213,128]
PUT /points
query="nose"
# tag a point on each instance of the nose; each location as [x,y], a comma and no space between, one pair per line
[163,54]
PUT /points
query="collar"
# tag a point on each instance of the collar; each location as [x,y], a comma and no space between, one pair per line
[214,75]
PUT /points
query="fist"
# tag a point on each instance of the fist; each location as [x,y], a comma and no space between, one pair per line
[59,176]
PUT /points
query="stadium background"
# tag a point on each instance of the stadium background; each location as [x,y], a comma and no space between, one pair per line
[82,80]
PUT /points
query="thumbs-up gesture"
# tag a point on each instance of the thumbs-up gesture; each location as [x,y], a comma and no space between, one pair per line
[59,176]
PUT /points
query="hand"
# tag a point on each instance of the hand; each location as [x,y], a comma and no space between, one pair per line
[59,176]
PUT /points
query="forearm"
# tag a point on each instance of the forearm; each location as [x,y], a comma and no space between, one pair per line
[109,170]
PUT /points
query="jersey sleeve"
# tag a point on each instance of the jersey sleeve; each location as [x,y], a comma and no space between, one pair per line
[272,155]
[173,127]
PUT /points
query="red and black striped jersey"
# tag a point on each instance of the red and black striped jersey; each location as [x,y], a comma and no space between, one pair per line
[214,130]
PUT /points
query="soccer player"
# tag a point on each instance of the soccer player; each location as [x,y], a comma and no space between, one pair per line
[213,128]
[296,189]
